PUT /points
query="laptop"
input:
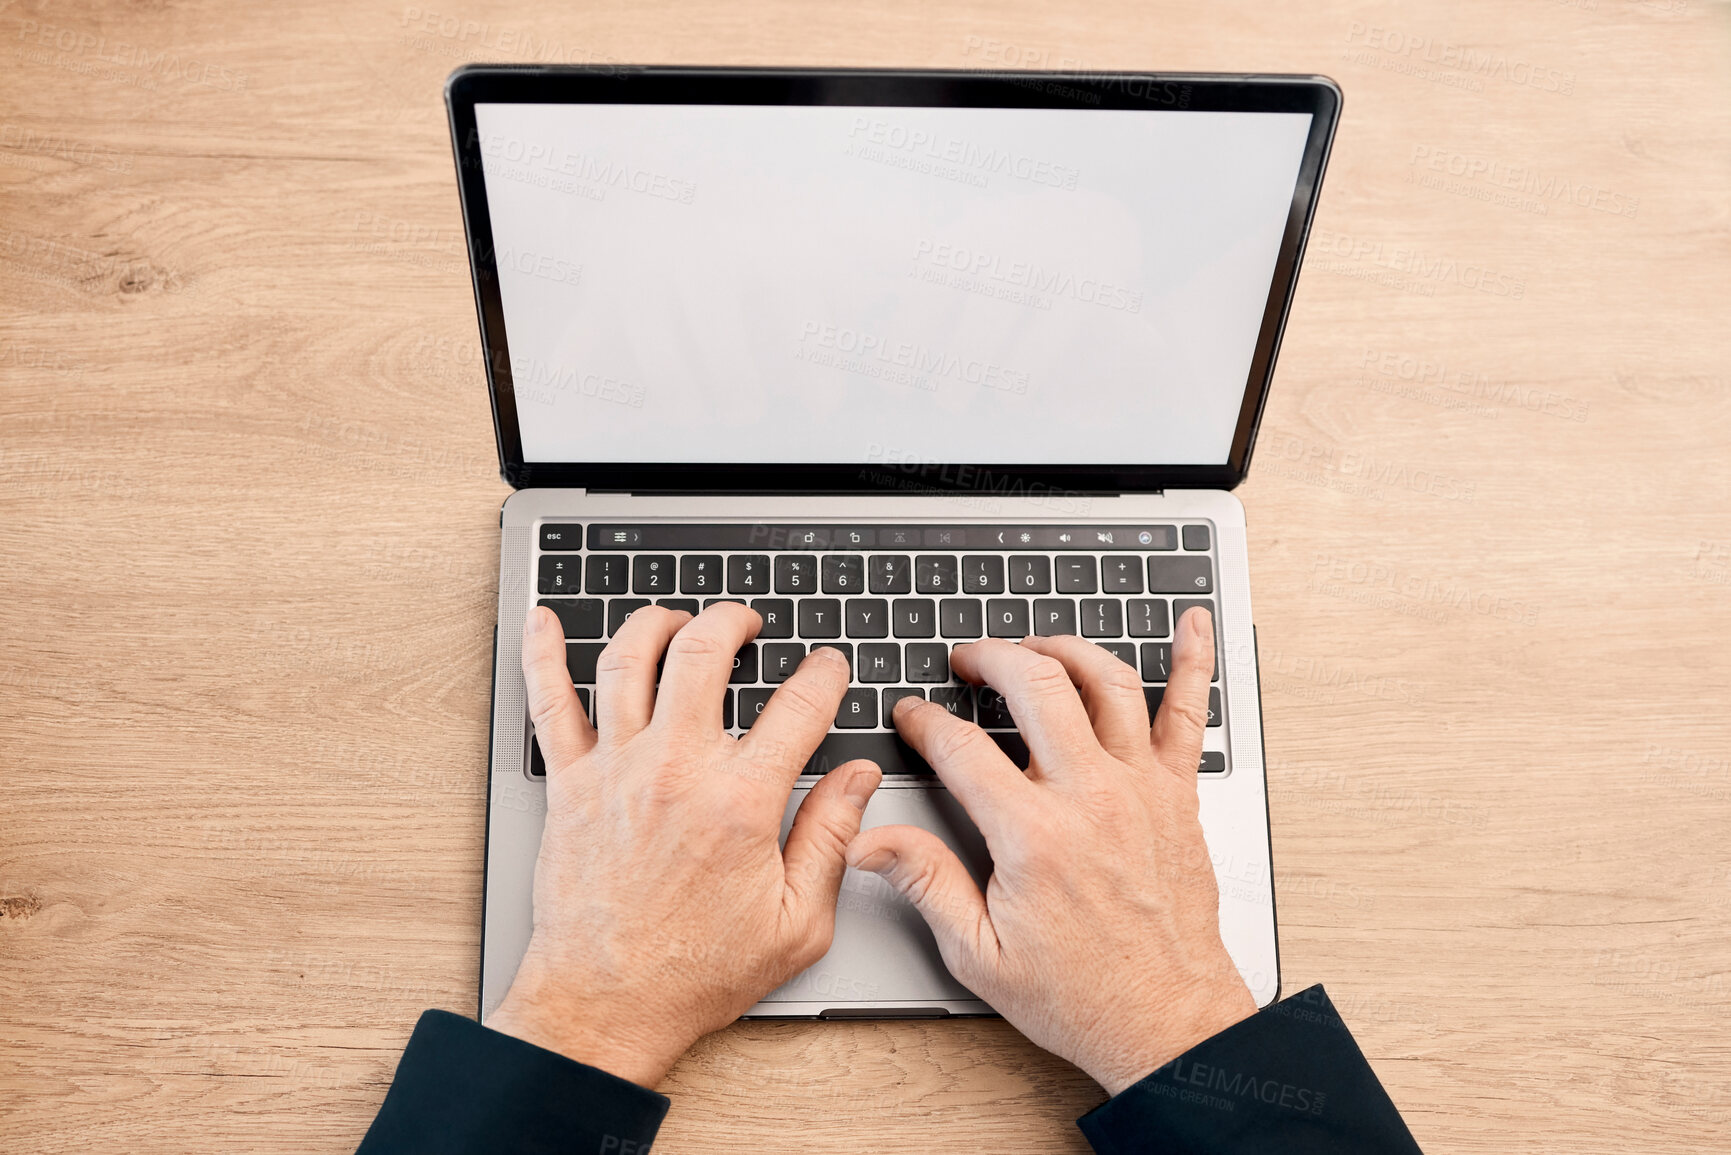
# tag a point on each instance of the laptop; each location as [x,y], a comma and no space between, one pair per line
[901,359]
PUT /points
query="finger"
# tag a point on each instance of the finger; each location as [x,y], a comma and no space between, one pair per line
[815,855]
[987,784]
[1040,695]
[561,726]
[1111,693]
[1183,713]
[928,874]
[798,714]
[625,671]
[699,663]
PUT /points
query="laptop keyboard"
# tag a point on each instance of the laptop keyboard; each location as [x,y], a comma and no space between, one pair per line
[894,600]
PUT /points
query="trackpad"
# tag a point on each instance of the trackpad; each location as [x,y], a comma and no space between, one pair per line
[883,951]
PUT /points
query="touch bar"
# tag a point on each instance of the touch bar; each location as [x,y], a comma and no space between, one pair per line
[764,536]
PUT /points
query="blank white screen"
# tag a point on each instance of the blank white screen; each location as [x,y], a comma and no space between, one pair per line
[703,283]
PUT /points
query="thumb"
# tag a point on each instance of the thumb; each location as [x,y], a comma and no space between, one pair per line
[817,842]
[927,873]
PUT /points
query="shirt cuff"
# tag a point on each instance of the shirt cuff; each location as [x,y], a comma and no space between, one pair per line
[1288,1079]
[461,1088]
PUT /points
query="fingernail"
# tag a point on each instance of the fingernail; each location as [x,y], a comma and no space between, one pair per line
[860,787]
[537,623]
[903,705]
[877,861]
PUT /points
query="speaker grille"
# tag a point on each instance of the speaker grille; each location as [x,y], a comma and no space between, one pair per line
[510,698]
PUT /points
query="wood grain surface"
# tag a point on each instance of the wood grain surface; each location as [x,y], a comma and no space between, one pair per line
[248,531]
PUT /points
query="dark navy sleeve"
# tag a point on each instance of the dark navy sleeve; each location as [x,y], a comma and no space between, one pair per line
[1289,1080]
[462,1088]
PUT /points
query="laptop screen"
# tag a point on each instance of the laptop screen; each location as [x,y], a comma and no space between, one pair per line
[714,283]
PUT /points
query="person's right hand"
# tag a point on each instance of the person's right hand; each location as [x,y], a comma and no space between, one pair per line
[1098,935]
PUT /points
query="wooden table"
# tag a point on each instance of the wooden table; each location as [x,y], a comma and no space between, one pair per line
[248,502]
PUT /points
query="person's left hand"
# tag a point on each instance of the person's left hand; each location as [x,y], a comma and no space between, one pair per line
[664,905]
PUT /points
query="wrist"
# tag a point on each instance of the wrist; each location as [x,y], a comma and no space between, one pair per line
[1167,1032]
[585,1030]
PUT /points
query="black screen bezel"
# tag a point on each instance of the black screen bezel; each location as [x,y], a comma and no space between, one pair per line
[476,84]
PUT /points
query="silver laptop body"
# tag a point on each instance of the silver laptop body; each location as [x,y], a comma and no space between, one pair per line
[572,181]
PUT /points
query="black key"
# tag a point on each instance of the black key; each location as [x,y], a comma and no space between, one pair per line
[1121,574]
[983,575]
[1054,616]
[858,710]
[868,618]
[935,574]
[559,575]
[1076,574]
[777,615]
[891,573]
[744,666]
[958,700]
[1030,575]
[1213,761]
[1156,694]
[994,711]
[1179,605]
[751,704]
[1124,651]
[1180,575]
[707,602]
[689,605]
[583,700]
[959,617]
[618,609]
[565,537]
[928,662]
[880,662]
[748,573]
[896,694]
[580,659]
[537,764]
[843,573]
[652,573]
[846,649]
[1152,694]
[892,755]
[1195,537]
[1149,619]
[700,573]
[915,618]
[581,617]
[1014,748]
[1102,618]
[1007,617]
[607,574]
[1156,661]
[796,574]
[820,618]
[781,659]
[727,709]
